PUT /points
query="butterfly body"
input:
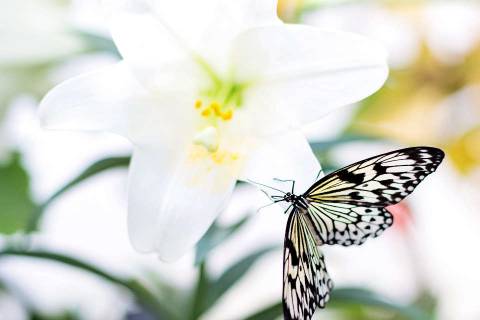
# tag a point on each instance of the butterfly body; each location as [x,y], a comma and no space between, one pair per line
[299,205]
[299,202]
[346,207]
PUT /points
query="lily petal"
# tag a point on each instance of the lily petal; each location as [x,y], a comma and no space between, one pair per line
[306,72]
[155,32]
[283,156]
[113,100]
[157,38]
[174,198]
[230,19]
[96,101]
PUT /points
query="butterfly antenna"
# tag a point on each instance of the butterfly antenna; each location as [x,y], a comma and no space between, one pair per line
[283,180]
[265,193]
[264,185]
[287,180]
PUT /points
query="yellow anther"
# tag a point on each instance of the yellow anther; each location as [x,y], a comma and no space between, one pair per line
[227,115]
[206,112]
[215,106]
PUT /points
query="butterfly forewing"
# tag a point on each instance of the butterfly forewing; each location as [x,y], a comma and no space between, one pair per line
[347,206]
[378,181]
[306,283]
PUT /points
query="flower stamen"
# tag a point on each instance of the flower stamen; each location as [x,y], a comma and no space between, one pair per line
[214,109]
[228,115]
[206,113]
[215,106]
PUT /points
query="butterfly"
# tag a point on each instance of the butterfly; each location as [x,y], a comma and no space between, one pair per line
[346,207]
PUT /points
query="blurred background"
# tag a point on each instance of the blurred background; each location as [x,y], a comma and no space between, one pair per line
[64,249]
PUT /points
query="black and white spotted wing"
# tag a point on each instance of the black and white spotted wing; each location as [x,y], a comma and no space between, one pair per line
[306,283]
[348,206]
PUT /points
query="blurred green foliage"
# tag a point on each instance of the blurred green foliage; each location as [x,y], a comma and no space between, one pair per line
[94,169]
[17,80]
[165,301]
[67,315]
[356,303]
[16,204]
[215,236]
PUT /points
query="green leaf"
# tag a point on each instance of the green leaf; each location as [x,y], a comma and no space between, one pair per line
[65,315]
[142,295]
[175,300]
[322,149]
[426,301]
[16,204]
[271,312]
[343,296]
[200,295]
[326,145]
[211,290]
[346,297]
[96,42]
[216,235]
[94,169]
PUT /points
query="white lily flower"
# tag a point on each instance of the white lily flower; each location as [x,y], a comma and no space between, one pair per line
[210,92]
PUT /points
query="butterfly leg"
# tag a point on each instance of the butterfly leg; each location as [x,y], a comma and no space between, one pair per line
[286,210]
[275,198]
[267,205]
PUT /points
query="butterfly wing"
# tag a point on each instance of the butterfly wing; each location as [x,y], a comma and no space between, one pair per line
[348,206]
[306,283]
[347,224]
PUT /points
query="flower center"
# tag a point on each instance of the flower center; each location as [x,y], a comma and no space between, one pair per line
[216,107]
[214,111]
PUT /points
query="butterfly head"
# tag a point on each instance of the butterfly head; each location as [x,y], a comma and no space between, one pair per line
[289,197]
[296,201]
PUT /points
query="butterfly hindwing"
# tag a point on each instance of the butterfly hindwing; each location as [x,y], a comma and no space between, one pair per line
[348,206]
[306,283]
[346,224]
